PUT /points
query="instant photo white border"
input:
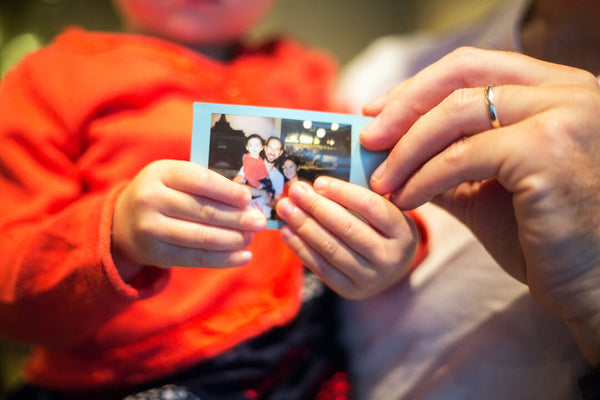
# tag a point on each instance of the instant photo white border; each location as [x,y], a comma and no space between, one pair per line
[362,161]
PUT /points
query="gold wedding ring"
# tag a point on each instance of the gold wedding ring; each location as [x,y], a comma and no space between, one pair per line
[489,102]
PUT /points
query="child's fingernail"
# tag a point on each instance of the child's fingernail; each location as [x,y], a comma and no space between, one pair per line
[285,232]
[320,183]
[259,224]
[245,257]
[285,207]
[297,189]
[247,197]
[257,219]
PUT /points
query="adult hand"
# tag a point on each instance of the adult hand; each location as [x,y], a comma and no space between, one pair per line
[176,213]
[530,190]
[354,257]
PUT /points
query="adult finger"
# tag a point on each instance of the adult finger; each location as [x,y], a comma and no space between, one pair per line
[476,158]
[374,107]
[463,113]
[463,68]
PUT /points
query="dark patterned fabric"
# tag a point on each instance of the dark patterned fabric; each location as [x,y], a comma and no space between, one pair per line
[299,361]
[167,392]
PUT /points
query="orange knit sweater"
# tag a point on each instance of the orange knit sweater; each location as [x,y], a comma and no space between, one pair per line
[80,118]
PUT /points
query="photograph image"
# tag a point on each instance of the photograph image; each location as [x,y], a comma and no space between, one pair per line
[268,149]
[269,154]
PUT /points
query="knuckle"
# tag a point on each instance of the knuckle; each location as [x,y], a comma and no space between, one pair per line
[305,207]
[457,102]
[329,248]
[587,98]
[200,258]
[372,201]
[381,257]
[394,108]
[312,205]
[202,176]
[155,168]
[201,238]
[464,52]
[587,79]
[552,133]
[147,227]
[151,168]
[344,225]
[462,57]
[148,197]
[208,212]
[455,152]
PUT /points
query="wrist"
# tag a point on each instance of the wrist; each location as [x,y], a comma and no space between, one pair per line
[126,268]
[422,246]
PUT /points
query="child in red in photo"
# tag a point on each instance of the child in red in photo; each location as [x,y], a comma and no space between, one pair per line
[255,171]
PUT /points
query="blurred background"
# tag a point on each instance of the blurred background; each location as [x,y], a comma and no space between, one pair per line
[343,27]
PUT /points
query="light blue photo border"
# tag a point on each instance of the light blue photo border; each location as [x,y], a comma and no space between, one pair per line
[362,161]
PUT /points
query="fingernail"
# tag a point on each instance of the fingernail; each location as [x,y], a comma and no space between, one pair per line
[285,208]
[259,224]
[245,257]
[258,219]
[320,183]
[377,102]
[297,189]
[285,232]
[247,197]
[379,172]
[372,125]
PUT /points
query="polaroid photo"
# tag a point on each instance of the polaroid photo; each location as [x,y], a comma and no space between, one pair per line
[265,148]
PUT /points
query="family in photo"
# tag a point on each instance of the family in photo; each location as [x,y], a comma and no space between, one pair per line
[269,154]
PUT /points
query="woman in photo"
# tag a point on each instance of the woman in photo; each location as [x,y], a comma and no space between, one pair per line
[290,168]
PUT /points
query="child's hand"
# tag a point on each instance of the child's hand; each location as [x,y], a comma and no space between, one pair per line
[175,213]
[355,258]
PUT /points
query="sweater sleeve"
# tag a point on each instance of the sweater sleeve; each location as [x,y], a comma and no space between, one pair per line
[423,248]
[58,282]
